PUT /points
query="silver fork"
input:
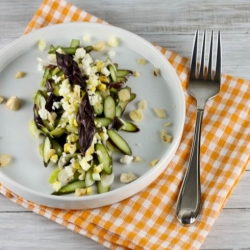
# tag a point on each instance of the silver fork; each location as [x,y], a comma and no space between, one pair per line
[202,87]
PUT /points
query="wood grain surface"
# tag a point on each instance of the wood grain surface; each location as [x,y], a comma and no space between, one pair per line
[170,24]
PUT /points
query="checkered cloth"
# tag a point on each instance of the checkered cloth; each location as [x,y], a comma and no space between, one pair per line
[147,220]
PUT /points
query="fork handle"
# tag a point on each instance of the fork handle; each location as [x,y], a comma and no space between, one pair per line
[189,199]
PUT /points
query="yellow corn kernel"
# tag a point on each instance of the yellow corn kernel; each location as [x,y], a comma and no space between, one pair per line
[54,158]
[100,65]
[90,151]
[41,44]
[104,79]
[93,89]
[75,122]
[72,138]
[89,190]
[66,147]
[102,87]
[80,191]
[57,185]
[98,169]
[69,148]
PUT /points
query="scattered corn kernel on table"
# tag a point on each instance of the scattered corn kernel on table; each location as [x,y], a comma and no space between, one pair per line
[170,24]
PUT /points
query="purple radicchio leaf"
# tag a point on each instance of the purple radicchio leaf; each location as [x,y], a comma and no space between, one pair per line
[86,124]
[85,115]
[38,120]
[50,101]
[70,69]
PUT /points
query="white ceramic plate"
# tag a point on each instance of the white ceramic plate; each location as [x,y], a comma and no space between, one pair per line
[26,175]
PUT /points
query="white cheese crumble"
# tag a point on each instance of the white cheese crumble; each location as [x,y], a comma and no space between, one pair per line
[126,159]
[65,175]
[43,113]
[113,41]
[111,53]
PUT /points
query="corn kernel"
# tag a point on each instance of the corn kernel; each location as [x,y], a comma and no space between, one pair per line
[90,151]
[56,185]
[98,169]
[80,191]
[104,79]
[54,158]
[100,65]
[69,148]
[72,138]
[89,190]
[76,165]
[102,87]
[75,122]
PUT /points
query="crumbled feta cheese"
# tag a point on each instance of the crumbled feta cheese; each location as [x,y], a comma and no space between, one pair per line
[126,159]
[87,60]
[93,98]
[98,152]
[105,71]
[64,88]
[65,175]
[111,53]
[43,113]
[86,38]
[56,105]
[113,41]
[52,58]
[60,51]
[96,176]
[56,185]
[56,78]
[80,53]
[84,164]
[40,67]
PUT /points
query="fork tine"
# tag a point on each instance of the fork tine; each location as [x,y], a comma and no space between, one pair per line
[201,74]
[194,56]
[218,61]
[209,70]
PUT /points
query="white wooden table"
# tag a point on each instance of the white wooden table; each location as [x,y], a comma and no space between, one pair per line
[170,24]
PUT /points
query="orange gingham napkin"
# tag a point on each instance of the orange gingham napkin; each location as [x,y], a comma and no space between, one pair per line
[147,220]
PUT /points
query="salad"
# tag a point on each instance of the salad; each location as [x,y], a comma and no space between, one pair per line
[78,113]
